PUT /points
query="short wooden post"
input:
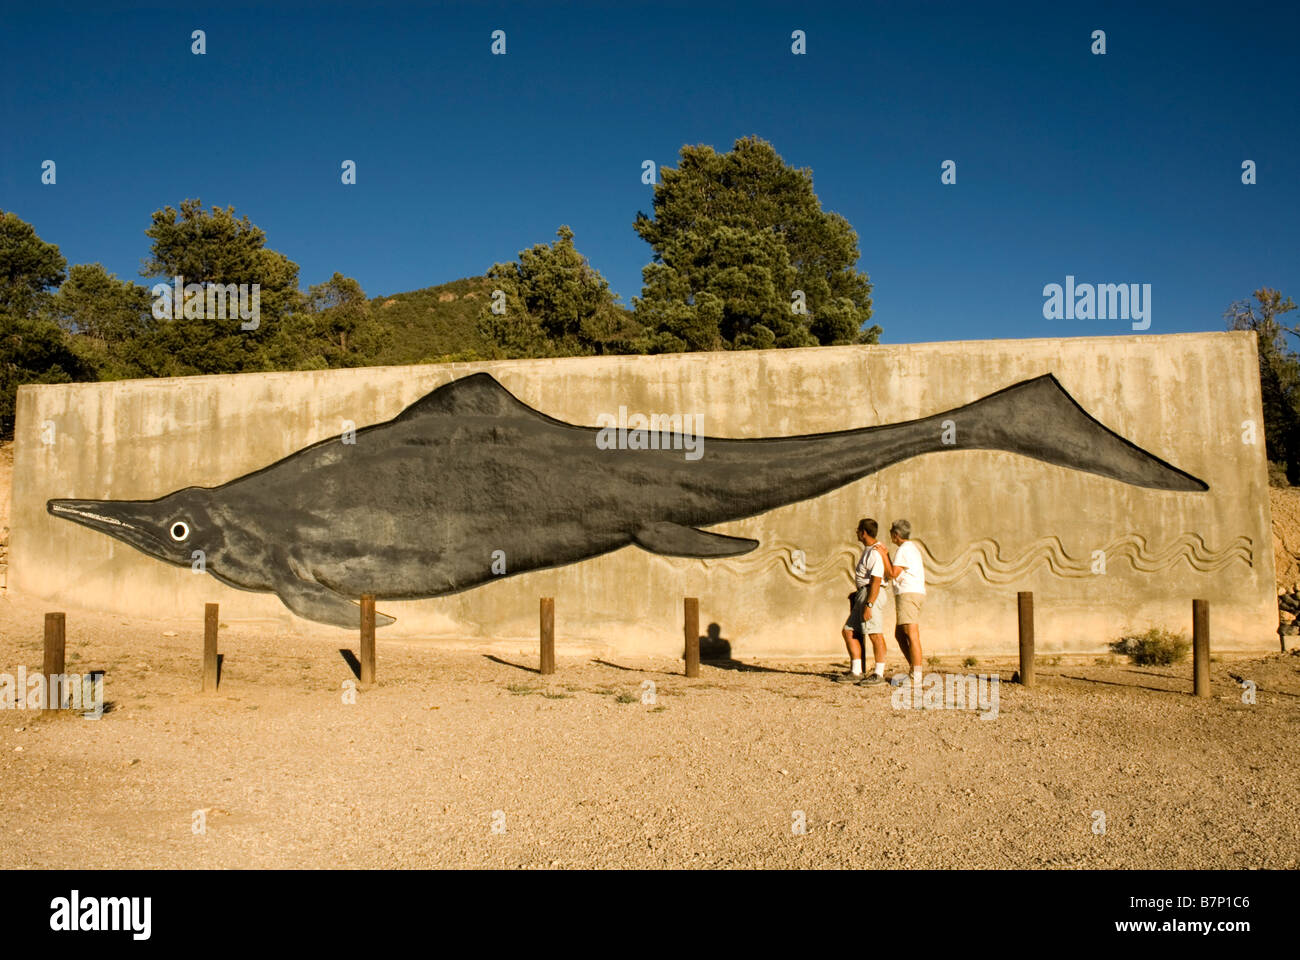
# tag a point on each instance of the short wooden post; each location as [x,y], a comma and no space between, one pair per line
[692,630]
[55,638]
[210,623]
[367,639]
[1201,647]
[1025,607]
[546,613]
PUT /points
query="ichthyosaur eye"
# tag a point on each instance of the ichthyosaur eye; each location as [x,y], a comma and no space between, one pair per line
[180,531]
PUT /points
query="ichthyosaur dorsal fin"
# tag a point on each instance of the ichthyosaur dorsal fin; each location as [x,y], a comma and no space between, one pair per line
[478,395]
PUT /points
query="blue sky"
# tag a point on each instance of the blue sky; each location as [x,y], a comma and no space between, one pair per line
[1122,168]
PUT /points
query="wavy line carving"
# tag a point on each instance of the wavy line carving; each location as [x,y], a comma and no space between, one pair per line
[985,559]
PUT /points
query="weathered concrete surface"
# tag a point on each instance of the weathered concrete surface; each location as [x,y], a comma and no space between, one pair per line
[993,523]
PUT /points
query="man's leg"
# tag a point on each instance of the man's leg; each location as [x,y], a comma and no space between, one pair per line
[851,636]
[909,631]
[900,634]
[855,648]
[914,644]
[912,627]
[873,627]
[879,650]
[852,632]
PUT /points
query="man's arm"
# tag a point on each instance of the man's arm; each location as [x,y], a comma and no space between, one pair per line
[890,570]
[873,590]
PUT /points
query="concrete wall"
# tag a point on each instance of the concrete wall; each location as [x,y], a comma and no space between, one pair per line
[992,523]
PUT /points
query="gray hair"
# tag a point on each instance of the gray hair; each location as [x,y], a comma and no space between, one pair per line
[902,528]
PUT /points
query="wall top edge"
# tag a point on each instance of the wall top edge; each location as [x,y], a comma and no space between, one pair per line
[662,358]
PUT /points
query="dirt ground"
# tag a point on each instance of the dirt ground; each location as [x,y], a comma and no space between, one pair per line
[470,758]
[1285,504]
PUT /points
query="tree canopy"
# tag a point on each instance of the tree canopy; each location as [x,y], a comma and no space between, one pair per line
[556,304]
[1279,373]
[734,236]
[28,266]
[335,328]
[218,248]
[32,348]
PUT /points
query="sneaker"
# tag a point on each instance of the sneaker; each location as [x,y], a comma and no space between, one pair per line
[846,677]
[870,680]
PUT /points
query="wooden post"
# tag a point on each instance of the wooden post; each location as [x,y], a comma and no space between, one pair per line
[1201,647]
[367,639]
[210,622]
[55,637]
[546,614]
[1025,605]
[692,629]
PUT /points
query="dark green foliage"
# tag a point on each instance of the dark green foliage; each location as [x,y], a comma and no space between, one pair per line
[1279,374]
[33,350]
[556,305]
[109,322]
[433,325]
[734,236]
[28,267]
[216,247]
[336,327]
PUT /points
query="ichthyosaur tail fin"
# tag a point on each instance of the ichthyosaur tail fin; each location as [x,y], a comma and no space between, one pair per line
[1039,419]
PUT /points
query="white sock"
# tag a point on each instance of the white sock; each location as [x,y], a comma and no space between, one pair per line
[880,669]
[857,667]
[916,675]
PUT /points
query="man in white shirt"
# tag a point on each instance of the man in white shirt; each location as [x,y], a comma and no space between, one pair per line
[908,573]
[865,605]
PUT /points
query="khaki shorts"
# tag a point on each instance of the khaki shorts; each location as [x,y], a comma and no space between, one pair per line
[875,617]
[864,622]
[909,607]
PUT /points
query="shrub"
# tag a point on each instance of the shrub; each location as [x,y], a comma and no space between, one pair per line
[1156,647]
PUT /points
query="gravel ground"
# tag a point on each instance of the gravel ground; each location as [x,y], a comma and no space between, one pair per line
[1284,503]
[468,758]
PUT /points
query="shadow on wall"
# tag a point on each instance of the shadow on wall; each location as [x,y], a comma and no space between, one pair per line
[713,646]
[715,650]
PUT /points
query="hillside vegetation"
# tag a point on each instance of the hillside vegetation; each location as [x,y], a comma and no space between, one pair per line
[432,324]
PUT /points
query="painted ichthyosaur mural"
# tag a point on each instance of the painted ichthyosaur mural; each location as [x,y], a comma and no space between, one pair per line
[417,505]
